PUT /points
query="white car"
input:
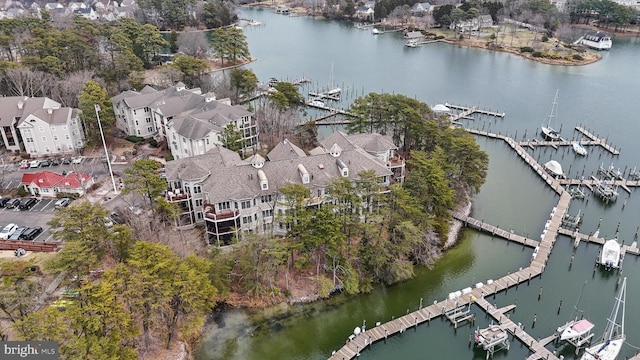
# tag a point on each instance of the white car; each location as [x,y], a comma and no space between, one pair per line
[77,160]
[34,164]
[8,231]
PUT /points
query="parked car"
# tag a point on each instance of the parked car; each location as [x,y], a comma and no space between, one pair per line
[45,163]
[34,164]
[31,233]
[8,231]
[12,204]
[54,162]
[77,160]
[16,234]
[62,202]
[65,161]
[24,164]
[116,217]
[4,201]
[27,204]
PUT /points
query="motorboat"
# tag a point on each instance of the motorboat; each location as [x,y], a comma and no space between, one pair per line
[610,255]
[548,132]
[605,191]
[411,43]
[554,168]
[375,31]
[576,329]
[578,148]
[491,336]
[596,40]
[613,338]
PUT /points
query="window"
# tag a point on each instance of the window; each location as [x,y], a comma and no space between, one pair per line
[149,129]
[267,213]
[27,131]
[137,123]
[138,132]
[29,140]
[44,139]
[198,202]
[224,205]
[184,140]
[265,199]
[135,112]
[32,150]
[147,109]
[64,127]
[246,219]
[69,147]
[41,128]
[55,137]
[174,136]
[67,137]
[58,148]
[197,189]
[53,128]
[199,215]
[46,149]
[245,204]
[148,120]
[207,141]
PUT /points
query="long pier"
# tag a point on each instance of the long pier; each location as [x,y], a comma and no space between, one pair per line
[475,109]
[359,342]
[457,300]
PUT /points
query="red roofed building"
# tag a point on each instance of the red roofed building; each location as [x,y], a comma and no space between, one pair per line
[50,184]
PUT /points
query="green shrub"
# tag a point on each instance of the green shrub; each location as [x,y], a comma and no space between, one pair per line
[135,139]
[169,157]
[153,142]
[461,37]
[577,57]
[22,192]
[73,196]
[545,38]
[556,57]
[526,49]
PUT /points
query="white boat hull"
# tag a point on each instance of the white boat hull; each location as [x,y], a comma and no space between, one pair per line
[579,149]
[549,133]
[610,255]
[597,45]
[607,350]
[577,329]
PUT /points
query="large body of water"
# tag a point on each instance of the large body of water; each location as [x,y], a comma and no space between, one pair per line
[602,97]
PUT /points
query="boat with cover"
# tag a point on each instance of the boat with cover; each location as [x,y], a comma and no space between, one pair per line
[576,329]
[610,255]
[554,168]
[578,148]
[596,40]
[490,337]
[548,132]
[613,337]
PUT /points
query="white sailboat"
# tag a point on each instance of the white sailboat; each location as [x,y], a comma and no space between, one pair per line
[578,148]
[333,90]
[547,131]
[610,255]
[576,332]
[613,337]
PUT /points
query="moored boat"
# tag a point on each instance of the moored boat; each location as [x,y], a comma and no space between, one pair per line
[610,255]
[548,132]
[576,329]
[613,337]
[491,336]
[578,148]
[596,40]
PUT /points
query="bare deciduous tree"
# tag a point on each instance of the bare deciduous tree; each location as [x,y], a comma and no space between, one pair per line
[193,43]
[70,87]
[26,82]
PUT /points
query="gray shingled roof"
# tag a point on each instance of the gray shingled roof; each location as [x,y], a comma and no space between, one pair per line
[373,142]
[242,182]
[33,106]
[339,138]
[285,150]
[216,158]
[193,128]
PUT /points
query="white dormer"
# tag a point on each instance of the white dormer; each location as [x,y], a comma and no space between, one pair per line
[335,150]
[304,174]
[344,170]
[180,86]
[257,161]
[209,97]
[264,182]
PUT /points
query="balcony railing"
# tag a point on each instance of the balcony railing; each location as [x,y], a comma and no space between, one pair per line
[219,215]
[396,160]
[177,197]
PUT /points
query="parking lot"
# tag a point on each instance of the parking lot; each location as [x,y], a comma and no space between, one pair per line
[38,215]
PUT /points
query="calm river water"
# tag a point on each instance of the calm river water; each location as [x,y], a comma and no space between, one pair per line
[602,96]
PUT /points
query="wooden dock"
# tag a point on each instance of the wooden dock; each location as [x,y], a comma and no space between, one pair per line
[598,141]
[465,109]
[592,181]
[493,230]
[397,326]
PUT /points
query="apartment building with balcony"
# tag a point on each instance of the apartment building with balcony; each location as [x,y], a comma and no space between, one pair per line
[40,126]
[231,196]
[192,123]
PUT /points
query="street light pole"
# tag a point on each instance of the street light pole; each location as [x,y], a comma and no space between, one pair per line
[106,153]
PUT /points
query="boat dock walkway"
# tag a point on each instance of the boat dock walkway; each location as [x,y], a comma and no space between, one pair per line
[359,342]
[600,141]
[473,109]
[578,236]
[590,183]
[468,221]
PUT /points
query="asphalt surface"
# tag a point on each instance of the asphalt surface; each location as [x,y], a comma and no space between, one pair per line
[42,212]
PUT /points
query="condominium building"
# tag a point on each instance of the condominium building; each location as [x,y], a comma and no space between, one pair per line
[231,196]
[40,126]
